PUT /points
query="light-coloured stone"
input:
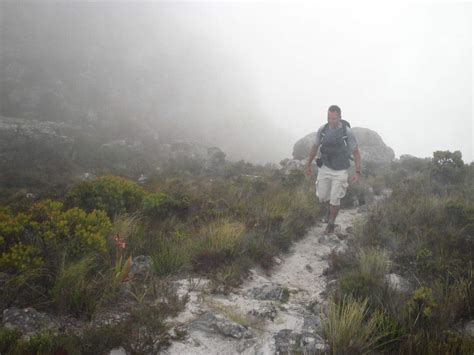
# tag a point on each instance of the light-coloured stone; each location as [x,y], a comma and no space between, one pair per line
[398,283]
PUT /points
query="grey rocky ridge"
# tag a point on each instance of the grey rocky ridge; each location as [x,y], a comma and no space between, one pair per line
[40,155]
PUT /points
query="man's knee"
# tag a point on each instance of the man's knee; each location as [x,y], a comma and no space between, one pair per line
[338,192]
[323,190]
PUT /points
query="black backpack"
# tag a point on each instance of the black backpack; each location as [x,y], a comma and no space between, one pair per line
[345,124]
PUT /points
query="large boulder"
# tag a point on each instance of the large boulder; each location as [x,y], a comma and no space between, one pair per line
[303,145]
[372,148]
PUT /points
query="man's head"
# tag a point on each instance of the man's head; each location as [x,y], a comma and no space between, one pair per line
[334,116]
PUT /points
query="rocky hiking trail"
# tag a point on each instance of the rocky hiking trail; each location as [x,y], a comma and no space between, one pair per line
[270,313]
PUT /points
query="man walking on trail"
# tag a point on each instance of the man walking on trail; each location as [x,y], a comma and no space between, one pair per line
[336,142]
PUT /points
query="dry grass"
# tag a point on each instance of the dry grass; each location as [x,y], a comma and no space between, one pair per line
[222,234]
[350,329]
[373,263]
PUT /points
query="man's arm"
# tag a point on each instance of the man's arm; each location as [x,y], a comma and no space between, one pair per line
[312,155]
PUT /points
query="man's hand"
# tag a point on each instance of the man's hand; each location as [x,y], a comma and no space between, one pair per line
[355,178]
[308,171]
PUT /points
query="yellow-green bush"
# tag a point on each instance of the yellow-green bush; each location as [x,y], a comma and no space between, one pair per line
[45,231]
[113,194]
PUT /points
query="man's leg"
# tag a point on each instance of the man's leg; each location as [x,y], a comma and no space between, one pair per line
[338,191]
[323,188]
[327,212]
[323,192]
[333,211]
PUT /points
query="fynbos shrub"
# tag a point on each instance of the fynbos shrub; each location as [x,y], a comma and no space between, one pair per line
[45,232]
[113,194]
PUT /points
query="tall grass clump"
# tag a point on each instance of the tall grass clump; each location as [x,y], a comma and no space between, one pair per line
[349,328]
[372,263]
[171,255]
[75,290]
[222,235]
[217,244]
[364,276]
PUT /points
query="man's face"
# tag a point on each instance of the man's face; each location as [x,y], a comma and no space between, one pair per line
[333,119]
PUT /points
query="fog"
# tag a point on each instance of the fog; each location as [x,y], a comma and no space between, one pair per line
[249,78]
[403,70]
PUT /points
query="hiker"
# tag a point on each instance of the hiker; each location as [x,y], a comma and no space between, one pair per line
[336,142]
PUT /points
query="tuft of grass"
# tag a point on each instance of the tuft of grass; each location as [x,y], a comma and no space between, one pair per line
[222,235]
[217,244]
[373,263]
[285,295]
[365,273]
[349,328]
[169,256]
[82,286]
[230,313]
[74,290]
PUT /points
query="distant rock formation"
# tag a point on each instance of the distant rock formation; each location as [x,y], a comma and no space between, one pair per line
[372,147]
[44,154]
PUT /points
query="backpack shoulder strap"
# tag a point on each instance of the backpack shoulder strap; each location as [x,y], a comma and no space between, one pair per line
[323,131]
[344,132]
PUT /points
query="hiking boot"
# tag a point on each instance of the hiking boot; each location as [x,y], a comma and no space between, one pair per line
[330,228]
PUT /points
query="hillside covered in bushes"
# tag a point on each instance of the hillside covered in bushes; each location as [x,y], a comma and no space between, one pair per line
[403,285]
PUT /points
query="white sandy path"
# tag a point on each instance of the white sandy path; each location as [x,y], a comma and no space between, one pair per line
[300,270]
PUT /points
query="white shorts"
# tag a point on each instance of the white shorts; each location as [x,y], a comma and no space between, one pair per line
[331,185]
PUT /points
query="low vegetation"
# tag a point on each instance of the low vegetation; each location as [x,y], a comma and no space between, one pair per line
[73,257]
[425,234]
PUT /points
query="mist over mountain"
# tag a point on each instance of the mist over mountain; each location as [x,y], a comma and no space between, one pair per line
[127,69]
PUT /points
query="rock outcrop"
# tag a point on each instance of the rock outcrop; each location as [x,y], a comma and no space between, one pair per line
[42,155]
[28,321]
[372,147]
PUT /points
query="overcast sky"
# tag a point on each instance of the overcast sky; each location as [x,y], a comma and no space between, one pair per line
[403,70]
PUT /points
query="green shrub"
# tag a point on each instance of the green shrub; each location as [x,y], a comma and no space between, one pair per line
[160,205]
[8,339]
[153,204]
[42,343]
[436,342]
[293,179]
[45,232]
[112,194]
[420,307]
